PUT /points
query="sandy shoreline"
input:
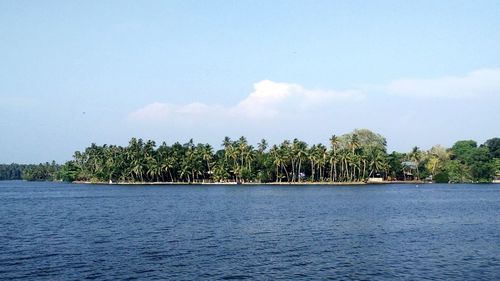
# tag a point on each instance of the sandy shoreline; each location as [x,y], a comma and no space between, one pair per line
[252,183]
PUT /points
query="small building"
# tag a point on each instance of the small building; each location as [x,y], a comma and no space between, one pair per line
[375,180]
[409,167]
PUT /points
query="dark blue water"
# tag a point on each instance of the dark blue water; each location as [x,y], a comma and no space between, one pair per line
[54,231]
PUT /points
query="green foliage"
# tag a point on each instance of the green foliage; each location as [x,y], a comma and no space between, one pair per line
[471,163]
[370,140]
[493,146]
[481,165]
[351,157]
[355,156]
[496,167]
[68,172]
[462,150]
[441,177]
[395,160]
[41,172]
[12,171]
[458,172]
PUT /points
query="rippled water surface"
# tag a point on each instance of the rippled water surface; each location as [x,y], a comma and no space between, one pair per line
[55,231]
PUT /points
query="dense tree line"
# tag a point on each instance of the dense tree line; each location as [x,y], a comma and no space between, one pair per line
[353,157]
[31,172]
[11,172]
[464,162]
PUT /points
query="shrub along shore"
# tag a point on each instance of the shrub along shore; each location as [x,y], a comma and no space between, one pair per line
[355,158]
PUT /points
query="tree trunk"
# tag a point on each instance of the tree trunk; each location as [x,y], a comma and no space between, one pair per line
[300,164]
[312,171]
[335,170]
[277,174]
[331,170]
[287,174]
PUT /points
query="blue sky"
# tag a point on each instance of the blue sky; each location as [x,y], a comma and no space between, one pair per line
[76,72]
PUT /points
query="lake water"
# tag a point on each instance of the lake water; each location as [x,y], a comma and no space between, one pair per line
[56,231]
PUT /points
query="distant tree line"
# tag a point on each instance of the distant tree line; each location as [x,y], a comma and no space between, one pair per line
[11,172]
[352,157]
[31,172]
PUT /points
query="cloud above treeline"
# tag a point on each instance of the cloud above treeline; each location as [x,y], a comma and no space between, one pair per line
[485,82]
[270,99]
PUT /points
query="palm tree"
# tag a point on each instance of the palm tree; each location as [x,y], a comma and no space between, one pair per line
[354,143]
[334,142]
[321,159]
[136,159]
[377,161]
[249,156]
[274,153]
[301,155]
[231,155]
[153,168]
[167,165]
[220,173]
[207,155]
[242,147]
[415,156]
[364,162]
[350,157]
[344,156]
[312,156]
[178,152]
[262,146]
[355,165]
[285,157]
[226,142]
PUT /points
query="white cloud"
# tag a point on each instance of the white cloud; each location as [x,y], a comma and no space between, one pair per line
[265,100]
[399,110]
[197,108]
[154,111]
[478,83]
[268,100]
[273,100]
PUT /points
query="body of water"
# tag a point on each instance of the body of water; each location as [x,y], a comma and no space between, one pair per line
[57,231]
